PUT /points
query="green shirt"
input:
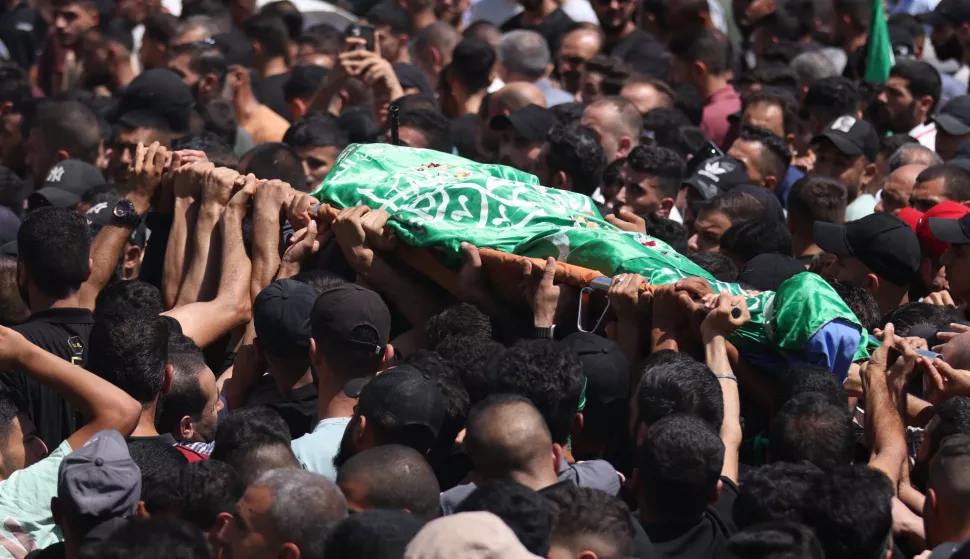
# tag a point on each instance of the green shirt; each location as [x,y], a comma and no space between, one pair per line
[25,506]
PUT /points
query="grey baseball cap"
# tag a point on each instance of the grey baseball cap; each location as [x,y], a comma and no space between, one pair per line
[98,482]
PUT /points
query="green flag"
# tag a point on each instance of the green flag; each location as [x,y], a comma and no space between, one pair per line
[879,50]
[439,200]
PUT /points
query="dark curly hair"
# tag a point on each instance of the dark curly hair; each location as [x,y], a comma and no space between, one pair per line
[316,130]
[432,124]
[811,428]
[776,539]
[776,158]
[832,97]
[548,374]
[662,163]
[576,152]
[468,356]
[775,492]
[523,510]
[677,383]
[850,509]
[457,320]
[783,100]
[579,512]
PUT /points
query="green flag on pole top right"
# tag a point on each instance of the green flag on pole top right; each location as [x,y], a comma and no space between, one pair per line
[879,50]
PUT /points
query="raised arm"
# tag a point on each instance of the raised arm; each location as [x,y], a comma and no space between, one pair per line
[270,198]
[146,175]
[187,190]
[206,322]
[104,405]
[726,314]
[884,427]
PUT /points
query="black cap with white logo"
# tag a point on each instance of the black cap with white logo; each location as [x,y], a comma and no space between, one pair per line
[886,244]
[852,136]
[717,175]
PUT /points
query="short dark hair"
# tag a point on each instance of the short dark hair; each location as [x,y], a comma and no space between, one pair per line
[546,373]
[10,406]
[738,206]
[432,124]
[209,487]
[858,10]
[462,319]
[668,231]
[289,13]
[774,71]
[833,97]
[323,39]
[578,153]
[161,27]
[276,160]
[128,298]
[718,265]
[472,62]
[581,511]
[956,180]
[248,426]
[54,244]
[392,15]
[802,378]
[218,152]
[777,156]
[185,396]
[303,82]
[810,427]
[469,357]
[219,118]
[144,119]
[270,32]
[763,235]
[662,120]
[70,126]
[686,140]
[909,315]
[316,130]
[616,72]
[662,163]
[523,510]
[862,303]
[775,492]
[159,464]
[850,509]
[204,59]
[394,477]
[700,44]
[954,419]
[151,539]
[375,534]
[690,102]
[923,79]
[680,462]
[815,198]
[888,145]
[776,540]
[255,459]
[130,352]
[671,384]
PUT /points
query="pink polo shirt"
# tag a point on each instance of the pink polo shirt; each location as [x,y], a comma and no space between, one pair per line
[717,108]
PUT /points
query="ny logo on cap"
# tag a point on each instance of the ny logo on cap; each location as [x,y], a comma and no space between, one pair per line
[714,169]
[843,124]
[55,174]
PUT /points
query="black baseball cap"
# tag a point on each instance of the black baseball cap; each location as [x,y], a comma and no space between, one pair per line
[767,198]
[886,244]
[338,311]
[280,314]
[947,11]
[65,183]
[716,176]
[901,40]
[953,231]
[410,76]
[400,398]
[852,136]
[531,122]
[606,369]
[954,117]
[160,91]
[304,81]
[766,272]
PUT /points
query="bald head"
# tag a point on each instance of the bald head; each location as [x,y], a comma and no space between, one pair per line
[584,42]
[898,187]
[514,96]
[507,435]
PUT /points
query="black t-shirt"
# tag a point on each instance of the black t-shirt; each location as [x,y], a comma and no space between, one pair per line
[552,27]
[22,31]
[63,332]
[642,548]
[705,539]
[298,407]
[269,91]
[641,51]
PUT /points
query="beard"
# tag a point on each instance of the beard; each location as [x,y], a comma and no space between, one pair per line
[206,431]
[951,49]
[571,80]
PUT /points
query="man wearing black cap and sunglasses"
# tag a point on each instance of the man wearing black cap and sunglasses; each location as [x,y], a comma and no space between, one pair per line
[349,331]
[957,257]
[846,149]
[879,252]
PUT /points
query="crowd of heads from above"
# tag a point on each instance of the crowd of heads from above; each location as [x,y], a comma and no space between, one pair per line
[212,348]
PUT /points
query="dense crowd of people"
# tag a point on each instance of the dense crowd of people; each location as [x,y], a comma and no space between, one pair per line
[199,362]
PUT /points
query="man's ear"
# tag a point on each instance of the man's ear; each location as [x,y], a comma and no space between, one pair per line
[6,108]
[770,182]
[624,144]
[557,454]
[868,173]
[208,85]
[218,537]
[186,429]
[62,155]
[289,551]
[926,102]
[560,181]
[666,205]
[167,378]
[140,511]
[388,356]
[872,283]
[698,68]
[717,492]
[297,108]
[577,425]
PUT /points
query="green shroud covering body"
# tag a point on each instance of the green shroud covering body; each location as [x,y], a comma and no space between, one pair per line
[440,200]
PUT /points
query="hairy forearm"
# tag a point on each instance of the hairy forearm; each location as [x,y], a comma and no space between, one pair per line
[266,251]
[105,252]
[884,428]
[206,223]
[716,357]
[186,213]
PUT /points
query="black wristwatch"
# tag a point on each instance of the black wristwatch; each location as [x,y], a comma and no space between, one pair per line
[543,333]
[125,215]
